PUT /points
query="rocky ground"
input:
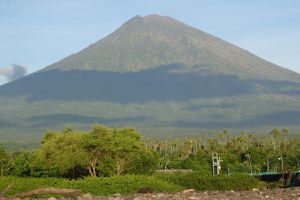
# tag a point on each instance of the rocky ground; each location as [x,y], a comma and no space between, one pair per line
[287,193]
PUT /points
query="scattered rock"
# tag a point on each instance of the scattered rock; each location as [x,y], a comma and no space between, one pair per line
[188,190]
[52,198]
[117,195]
[161,195]
[190,194]
[87,196]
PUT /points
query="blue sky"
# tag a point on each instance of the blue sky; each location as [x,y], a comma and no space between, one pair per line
[36,33]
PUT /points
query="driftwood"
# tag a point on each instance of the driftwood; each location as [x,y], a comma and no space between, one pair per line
[167,171]
[41,191]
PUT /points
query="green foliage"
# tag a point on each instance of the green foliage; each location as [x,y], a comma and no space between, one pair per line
[101,152]
[110,151]
[144,162]
[64,151]
[158,117]
[119,156]
[4,162]
[243,153]
[126,149]
[204,181]
[127,184]
[21,165]
[97,145]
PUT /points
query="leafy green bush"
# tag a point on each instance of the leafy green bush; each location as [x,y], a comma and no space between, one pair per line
[127,184]
[200,181]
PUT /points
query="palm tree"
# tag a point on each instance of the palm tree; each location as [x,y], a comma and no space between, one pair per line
[285,133]
[275,134]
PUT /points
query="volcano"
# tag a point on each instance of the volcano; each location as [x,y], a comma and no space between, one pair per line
[154,72]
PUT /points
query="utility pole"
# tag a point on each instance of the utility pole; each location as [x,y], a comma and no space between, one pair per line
[250,164]
[281,159]
[216,164]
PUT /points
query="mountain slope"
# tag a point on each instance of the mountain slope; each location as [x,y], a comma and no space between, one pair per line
[157,74]
[159,84]
[153,41]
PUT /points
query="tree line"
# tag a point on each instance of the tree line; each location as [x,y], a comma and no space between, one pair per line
[105,151]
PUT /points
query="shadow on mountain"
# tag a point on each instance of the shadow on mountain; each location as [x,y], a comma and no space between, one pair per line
[62,119]
[157,84]
[285,118]
[197,107]
[279,118]
[5,124]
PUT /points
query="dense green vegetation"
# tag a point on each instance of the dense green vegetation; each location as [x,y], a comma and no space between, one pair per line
[158,119]
[129,184]
[104,151]
[126,184]
[202,181]
[123,161]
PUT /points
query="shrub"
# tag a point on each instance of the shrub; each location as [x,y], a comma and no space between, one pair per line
[127,184]
[200,181]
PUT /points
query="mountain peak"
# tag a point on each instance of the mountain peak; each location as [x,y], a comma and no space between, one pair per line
[153,20]
[153,41]
[160,19]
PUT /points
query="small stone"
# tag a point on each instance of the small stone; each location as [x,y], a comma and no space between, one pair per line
[188,190]
[116,195]
[193,198]
[52,198]
[87,196]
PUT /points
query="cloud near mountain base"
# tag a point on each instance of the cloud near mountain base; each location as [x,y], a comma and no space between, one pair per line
[13,72]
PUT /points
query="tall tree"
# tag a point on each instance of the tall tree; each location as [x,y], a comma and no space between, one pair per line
[64,150]
[127,145]
[275,133]
[98,144]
